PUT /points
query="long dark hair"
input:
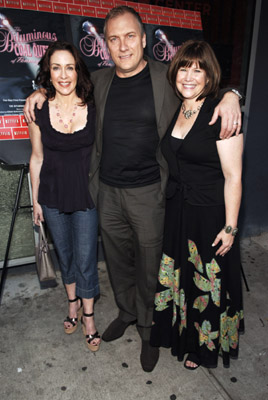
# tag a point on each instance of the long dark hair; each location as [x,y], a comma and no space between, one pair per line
[84,87]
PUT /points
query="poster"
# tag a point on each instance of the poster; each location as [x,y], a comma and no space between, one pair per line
[25,36]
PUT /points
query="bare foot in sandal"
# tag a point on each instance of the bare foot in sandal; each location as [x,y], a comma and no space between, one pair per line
[74,315]
[92,336]
[192,361]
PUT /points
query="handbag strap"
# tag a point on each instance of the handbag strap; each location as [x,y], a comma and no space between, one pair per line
[42,231]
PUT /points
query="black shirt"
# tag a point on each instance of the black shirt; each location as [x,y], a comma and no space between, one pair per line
[194,163]
[64,176]
[130,137]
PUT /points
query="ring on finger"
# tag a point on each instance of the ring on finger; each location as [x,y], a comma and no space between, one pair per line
[235,123]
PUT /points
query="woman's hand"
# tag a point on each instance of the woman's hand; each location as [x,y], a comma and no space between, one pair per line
[229,111]
[227,241]
[37,214]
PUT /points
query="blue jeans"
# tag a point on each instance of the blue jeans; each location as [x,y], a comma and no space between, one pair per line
[75,236]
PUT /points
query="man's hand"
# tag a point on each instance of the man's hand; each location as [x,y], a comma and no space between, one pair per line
[229,111]
[38,98]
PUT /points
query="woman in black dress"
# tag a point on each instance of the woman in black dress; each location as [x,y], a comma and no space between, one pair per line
[62,138]
[198,304]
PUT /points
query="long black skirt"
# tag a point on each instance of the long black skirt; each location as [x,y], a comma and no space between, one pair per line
[198,302]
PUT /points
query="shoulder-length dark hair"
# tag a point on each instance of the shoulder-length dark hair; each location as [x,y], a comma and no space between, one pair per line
[199,52]
[84,87]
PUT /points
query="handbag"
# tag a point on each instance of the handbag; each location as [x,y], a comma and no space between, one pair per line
[44,264]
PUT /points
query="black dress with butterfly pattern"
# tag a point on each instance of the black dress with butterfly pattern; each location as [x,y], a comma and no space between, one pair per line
[198,302]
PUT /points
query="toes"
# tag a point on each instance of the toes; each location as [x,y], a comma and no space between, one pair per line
[191,364]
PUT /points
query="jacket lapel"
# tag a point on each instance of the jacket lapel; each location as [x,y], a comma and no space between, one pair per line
[158,84]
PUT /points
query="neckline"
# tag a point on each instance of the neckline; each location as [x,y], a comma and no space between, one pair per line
[144,71]
[64,133]
[190,130]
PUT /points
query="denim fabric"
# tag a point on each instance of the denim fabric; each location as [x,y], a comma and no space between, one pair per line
[75,236]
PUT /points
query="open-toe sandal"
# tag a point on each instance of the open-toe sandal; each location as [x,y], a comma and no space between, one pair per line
[89,338]
[192,357]
[73,321]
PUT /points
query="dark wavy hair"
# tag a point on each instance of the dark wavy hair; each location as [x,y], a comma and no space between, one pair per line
[199,52]
[121,10]
[84,87]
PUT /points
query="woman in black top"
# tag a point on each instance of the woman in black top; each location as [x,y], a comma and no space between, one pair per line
[198,304]
[62,138]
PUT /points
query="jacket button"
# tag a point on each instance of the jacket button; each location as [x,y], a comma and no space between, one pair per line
[98,153]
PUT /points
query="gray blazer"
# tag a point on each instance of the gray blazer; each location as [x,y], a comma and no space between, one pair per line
[166,103]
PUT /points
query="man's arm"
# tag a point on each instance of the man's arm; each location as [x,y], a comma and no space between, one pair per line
[36,98]
[229,111]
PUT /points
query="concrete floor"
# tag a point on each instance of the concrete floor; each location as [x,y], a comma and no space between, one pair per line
[39,361]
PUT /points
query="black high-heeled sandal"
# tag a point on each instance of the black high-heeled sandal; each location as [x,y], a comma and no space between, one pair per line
[90,338]
[73,321]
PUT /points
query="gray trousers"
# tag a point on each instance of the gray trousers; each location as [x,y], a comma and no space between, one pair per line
[131,222]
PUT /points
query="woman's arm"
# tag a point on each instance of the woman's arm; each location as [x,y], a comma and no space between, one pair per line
[36,162]
[230,153]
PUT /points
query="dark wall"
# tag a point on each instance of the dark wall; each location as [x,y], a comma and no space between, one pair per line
[254,211]
[227,26]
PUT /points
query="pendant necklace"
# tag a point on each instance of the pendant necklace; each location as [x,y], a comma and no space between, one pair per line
[189,113]
[66,125]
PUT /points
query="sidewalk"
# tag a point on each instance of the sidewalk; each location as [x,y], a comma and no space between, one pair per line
[39,361]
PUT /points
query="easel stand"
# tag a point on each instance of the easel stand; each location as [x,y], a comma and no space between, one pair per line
[244,278]
[23,170]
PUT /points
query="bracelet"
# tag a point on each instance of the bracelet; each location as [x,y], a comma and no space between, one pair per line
[237,93]
[229,229]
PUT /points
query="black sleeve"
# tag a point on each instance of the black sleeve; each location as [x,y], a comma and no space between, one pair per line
[225,90]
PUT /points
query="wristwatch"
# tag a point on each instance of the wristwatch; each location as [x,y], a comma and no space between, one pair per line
[237,93]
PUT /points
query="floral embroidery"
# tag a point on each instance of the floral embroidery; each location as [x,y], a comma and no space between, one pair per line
[194,256]
[205,279]
[229,330]
[183,311]
[213,284]
[205,335]
[201,302]
[168,278]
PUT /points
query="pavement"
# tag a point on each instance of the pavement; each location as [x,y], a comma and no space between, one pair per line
[39,361]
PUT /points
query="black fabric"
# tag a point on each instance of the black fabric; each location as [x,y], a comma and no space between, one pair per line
[198,173]
[198,302]
[130,137]
[64,176]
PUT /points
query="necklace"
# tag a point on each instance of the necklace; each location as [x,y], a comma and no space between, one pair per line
[189,113]
[66,125]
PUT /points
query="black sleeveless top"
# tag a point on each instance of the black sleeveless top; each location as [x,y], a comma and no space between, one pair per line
[64,176]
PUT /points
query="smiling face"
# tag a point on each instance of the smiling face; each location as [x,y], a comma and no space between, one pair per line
[126,43]
[62,72]
[190,81]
